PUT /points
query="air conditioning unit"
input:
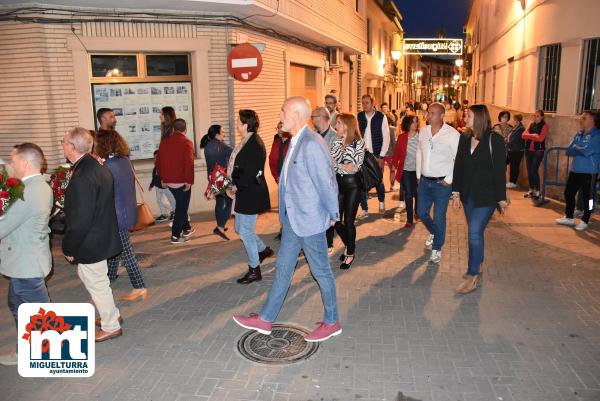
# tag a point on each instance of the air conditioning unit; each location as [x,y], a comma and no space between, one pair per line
[335,56]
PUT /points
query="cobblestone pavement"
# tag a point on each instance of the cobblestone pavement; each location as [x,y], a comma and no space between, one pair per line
[531,332]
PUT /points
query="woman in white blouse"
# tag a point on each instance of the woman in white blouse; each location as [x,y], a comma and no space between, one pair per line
[348,152]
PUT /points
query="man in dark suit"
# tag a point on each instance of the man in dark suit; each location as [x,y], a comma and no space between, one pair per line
[92,234]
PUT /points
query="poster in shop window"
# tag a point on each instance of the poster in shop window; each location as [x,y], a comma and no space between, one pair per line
[137,109]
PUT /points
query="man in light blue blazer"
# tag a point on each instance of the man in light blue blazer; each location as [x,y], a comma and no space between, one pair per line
[308,205]
[25,256]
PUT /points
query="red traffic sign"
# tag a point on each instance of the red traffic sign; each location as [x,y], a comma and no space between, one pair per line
[244,62]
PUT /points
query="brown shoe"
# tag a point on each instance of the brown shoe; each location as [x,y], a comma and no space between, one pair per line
[469,285]
[103,335]
[99,323]
[135,294]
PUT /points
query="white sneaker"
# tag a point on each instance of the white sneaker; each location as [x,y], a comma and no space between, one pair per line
[363,215]
[581,226]
[402,205]
[429,240]
[565,221]
[436,256]
[9,359]
[511,185]
[381,207]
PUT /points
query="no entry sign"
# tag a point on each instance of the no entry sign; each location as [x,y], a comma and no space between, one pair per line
[244,62]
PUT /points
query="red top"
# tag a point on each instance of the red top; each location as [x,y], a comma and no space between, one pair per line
[535,137]
[400,154]
[274,162]
[175,159]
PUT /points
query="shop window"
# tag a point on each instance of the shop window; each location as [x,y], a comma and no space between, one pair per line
[136,87]
[167,65]
[114,66]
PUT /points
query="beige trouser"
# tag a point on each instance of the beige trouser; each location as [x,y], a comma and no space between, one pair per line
[95,278]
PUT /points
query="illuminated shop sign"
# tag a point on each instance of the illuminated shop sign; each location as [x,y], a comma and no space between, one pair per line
[434,47]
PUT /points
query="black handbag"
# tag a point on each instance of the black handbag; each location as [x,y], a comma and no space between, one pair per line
[57,222]
[370,171]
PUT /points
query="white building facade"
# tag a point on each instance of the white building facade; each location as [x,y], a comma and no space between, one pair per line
[59,61]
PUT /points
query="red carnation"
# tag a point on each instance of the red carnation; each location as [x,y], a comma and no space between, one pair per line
[61,192]
[12,182]
[4,195]
[62,175]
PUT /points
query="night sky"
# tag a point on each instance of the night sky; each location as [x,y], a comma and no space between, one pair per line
[424,18]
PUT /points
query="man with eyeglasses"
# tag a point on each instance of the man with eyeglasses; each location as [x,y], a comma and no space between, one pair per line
[331,104]
[436,152]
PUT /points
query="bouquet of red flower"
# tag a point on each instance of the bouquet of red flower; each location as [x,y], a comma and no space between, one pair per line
[218,182]
[59,181]
[11,189]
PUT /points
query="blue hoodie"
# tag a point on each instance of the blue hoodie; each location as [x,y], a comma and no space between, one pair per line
[586,158]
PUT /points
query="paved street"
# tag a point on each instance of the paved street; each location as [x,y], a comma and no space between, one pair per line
[531,332]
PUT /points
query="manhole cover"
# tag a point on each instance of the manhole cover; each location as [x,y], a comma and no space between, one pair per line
[285,345]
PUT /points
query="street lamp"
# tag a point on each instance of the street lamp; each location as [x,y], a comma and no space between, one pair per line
[419,74]
[459,62]
[456,77]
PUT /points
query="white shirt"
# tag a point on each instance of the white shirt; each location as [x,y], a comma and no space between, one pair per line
[385,131]
[30,176]
[288,155]
[436,154]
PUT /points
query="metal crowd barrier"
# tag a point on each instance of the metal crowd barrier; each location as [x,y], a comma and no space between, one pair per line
[556,181]
[556,152]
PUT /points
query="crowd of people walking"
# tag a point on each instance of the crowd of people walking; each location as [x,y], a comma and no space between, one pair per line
[323,161]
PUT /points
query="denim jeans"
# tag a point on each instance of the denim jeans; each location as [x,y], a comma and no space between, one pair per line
[244,226]
[165,200]
[26,290]
[182,204]
[408,192]
[432,193]
[477,220]
[315,250]
[534,159]
[380,196]
[222,209]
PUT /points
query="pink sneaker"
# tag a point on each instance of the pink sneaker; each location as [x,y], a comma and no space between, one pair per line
[254,322]
[323,332]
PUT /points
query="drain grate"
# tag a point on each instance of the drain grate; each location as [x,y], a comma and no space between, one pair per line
[285,345]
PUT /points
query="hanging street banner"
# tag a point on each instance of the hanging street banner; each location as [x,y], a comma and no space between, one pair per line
[433,47]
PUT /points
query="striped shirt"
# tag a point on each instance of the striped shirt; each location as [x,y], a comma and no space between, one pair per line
[347,154]
[410,163]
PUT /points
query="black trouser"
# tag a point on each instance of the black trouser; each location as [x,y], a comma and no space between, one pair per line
[575,182]
[534,159]
[408,189]
[514,161]
[349,186]
[182,204]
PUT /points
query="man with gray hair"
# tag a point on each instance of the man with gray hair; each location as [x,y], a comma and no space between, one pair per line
[308,205]
[25,256]
[321,121]
[331,103]
[92,234]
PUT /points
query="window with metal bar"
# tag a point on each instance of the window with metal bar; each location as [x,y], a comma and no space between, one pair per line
[549,74]
[509,81]
[494,85]
[589,96]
